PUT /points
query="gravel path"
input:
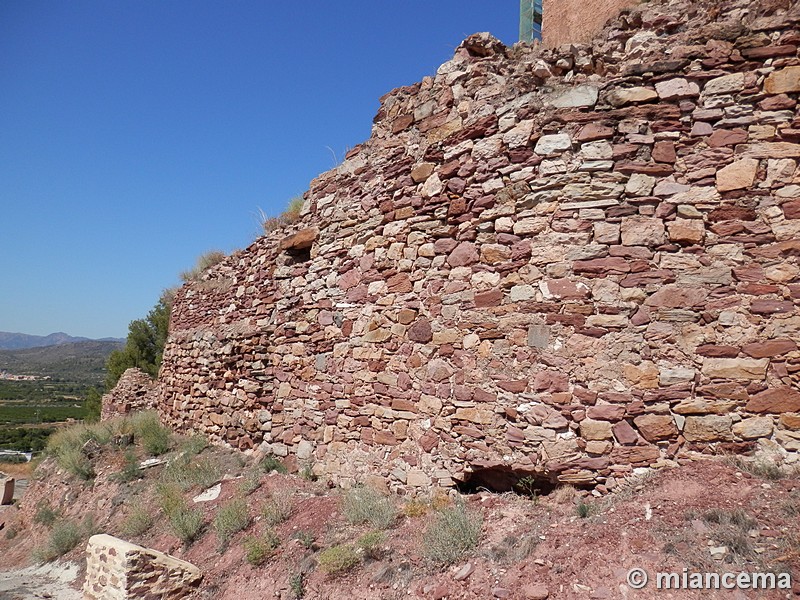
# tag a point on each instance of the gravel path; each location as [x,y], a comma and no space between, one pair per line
[46,581]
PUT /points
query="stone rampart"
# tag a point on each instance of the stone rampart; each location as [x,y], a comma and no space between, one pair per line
[561,263]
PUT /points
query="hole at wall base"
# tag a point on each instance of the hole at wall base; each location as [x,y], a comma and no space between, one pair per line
[503,479]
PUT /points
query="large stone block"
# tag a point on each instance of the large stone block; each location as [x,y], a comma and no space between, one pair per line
[738,175]
[120,570]
[754,428]
[783,81]
[301,240]
[776,400]
[735,368]
[642,231]
[656,427]
[6,489]
[710,428]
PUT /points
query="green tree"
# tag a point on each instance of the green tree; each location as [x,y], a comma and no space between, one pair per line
[92,403]
[145,344]
[147,337]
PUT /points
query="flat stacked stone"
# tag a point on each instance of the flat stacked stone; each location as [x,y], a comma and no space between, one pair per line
[566,262]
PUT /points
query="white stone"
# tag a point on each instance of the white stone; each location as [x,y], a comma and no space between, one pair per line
[640,185]
[519,135]
[552,144]
[575,97]
[210,494]
[599,150]
[520,293]
[432,187]
[725,84]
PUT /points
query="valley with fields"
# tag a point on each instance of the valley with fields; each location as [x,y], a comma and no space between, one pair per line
[44,386]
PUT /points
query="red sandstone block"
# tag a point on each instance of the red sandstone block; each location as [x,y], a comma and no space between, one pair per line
[776,400]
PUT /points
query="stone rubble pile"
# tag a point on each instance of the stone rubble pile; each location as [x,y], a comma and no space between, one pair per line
[135,391]
[565,263]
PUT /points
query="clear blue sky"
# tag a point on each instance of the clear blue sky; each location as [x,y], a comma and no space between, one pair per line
[136,135]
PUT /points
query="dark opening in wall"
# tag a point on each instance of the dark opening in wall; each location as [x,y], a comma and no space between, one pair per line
[507,479]
[298,255]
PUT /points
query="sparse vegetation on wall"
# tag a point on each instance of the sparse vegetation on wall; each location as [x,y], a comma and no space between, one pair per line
[287,217]
[204,262]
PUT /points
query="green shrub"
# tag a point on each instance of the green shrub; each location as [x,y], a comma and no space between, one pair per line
[583,509]
[307,472]
[194,445]
[151,434]
[366,505]
[169,497]
[278,508]
[76,462]
[289,216]
[89,525]
[13,459]
[295,207]
[737,517]
[306,538]
[139,521]
[271,463]
[204,262]
[187,472]
[338,559]
[415,508]
[259,549]
[11,532]
[454,532]
[130,468]
[63,537]
[759,467]
[297,585]
[231,518]
[66,445]
[250,482]
[370,544]
[186,523]
[792,505]
[45,514]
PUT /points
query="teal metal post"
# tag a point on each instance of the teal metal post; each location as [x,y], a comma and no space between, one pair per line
[530,20]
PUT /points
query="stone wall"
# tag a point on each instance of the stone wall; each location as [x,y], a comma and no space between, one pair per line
[118,570]
[134,391]
[577,21]
[565,263]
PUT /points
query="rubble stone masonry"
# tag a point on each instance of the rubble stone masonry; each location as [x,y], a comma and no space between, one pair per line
[134,391]
[119,570]
[565,263]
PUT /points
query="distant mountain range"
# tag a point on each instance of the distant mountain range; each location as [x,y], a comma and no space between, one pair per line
[20,341]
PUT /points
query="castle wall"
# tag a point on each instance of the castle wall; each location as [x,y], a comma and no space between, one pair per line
[577,21]
[559,264]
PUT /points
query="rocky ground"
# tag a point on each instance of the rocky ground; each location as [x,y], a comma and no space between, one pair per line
[716,515]
[46,581]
